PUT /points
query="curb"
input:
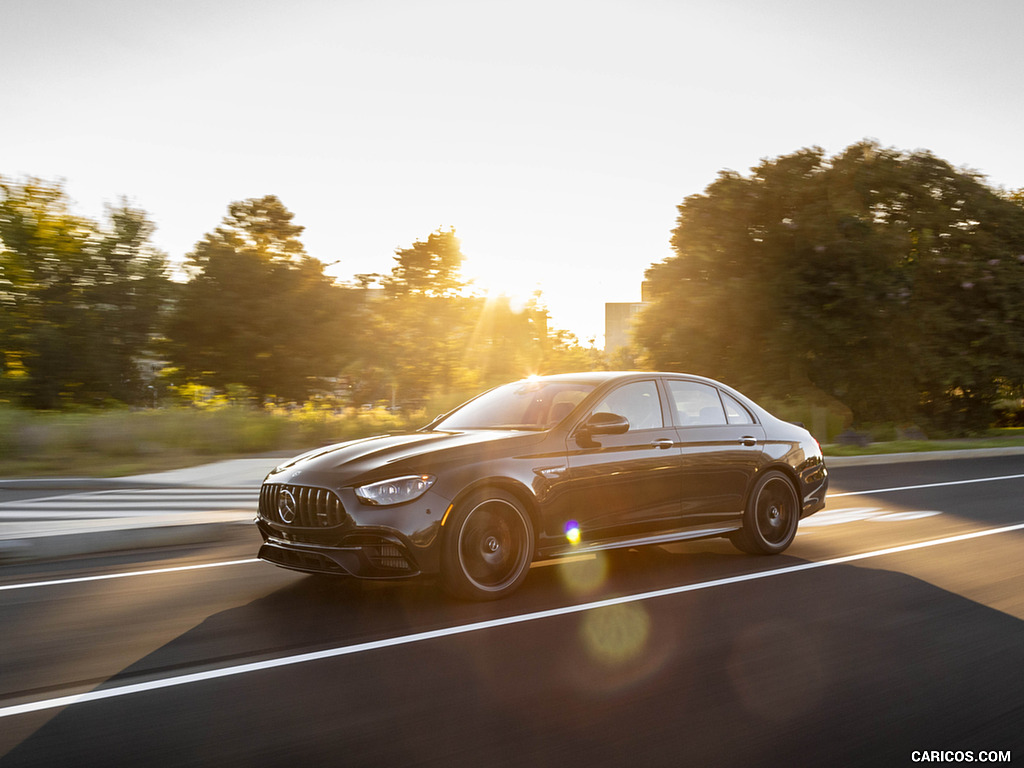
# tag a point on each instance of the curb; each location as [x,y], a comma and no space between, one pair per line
[81,484]
[906,458]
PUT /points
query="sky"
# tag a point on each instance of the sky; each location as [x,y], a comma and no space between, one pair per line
[557,137]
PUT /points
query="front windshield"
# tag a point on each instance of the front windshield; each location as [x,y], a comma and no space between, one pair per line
[528,404]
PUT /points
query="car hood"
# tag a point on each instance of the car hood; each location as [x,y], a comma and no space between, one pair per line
[381,456]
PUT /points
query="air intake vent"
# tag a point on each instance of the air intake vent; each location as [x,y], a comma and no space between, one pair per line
[388,556]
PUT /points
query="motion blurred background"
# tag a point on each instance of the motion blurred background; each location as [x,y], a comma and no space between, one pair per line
[361,213]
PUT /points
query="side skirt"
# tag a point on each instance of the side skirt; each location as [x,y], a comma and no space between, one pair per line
[644,540]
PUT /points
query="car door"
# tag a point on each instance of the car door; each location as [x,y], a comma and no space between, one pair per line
[618,484]
[722,449]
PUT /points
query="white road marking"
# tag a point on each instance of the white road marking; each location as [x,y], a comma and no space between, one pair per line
[856,514]
[179,568]
[349,650]
[125,502]
[105,576]
[925,485]
[915,514]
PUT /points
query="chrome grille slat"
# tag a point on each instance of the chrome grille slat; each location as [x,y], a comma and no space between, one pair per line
[315,507]
[321,507]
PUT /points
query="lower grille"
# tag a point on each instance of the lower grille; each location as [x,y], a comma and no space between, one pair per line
[300,560]
[301,506]
[366,557]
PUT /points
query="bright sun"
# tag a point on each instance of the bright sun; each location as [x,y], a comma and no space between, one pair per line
[499,268]
[517,285]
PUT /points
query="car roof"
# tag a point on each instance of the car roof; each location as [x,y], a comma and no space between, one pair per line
[599,377]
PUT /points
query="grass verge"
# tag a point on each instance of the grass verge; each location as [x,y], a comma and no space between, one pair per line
[122,442]
[1001,438]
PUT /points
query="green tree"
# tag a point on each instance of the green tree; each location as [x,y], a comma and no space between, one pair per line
[423,334]
[258,311]
[431,267]
[81,301]
[414,327]
[890,281]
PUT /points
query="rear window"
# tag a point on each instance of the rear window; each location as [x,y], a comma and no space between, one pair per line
[735,411]
[696,404]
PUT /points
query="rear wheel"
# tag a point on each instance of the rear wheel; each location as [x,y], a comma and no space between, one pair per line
[488,546]
[771,516]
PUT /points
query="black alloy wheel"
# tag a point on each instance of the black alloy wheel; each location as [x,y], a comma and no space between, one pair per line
[488,548]
[771,517]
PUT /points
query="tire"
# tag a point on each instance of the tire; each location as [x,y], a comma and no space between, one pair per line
[488,546]
[771,516]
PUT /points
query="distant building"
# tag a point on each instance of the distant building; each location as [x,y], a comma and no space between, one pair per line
[618,321]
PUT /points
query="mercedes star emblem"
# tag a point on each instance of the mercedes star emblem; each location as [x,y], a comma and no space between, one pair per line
[287,506]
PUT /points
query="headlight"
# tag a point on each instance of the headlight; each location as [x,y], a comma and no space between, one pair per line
[396,491]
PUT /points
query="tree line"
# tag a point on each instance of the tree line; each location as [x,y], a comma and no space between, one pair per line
[888,282]
[884,283]
[91,315]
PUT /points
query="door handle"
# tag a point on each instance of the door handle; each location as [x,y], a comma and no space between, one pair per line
[748,440]
[663,442]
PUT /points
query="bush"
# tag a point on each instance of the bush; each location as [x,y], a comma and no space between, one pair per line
[1009,413]
[70,442]
[824,416]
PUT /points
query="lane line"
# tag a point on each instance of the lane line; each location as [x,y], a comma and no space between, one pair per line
[105,576]
[179,568]
[925,485]
[349,650]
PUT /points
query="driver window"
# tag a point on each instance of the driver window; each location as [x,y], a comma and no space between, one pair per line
[638,402]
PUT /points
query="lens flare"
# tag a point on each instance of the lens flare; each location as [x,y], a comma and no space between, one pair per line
[572,532]
[616,634]
[585,576]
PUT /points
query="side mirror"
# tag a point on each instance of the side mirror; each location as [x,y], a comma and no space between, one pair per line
[606,424]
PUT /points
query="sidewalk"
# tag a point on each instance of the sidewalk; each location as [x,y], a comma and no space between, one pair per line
[207,503]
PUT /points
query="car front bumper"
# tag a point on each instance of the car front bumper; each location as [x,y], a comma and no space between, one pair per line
[325,530]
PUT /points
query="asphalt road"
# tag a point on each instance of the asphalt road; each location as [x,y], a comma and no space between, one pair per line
[893,626]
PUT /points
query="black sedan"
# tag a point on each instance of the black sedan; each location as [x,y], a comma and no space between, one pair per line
[544,467]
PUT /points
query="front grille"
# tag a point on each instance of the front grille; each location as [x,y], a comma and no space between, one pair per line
[301,506]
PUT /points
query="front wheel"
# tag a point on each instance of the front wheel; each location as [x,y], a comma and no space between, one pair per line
[771,516]
[488,546]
